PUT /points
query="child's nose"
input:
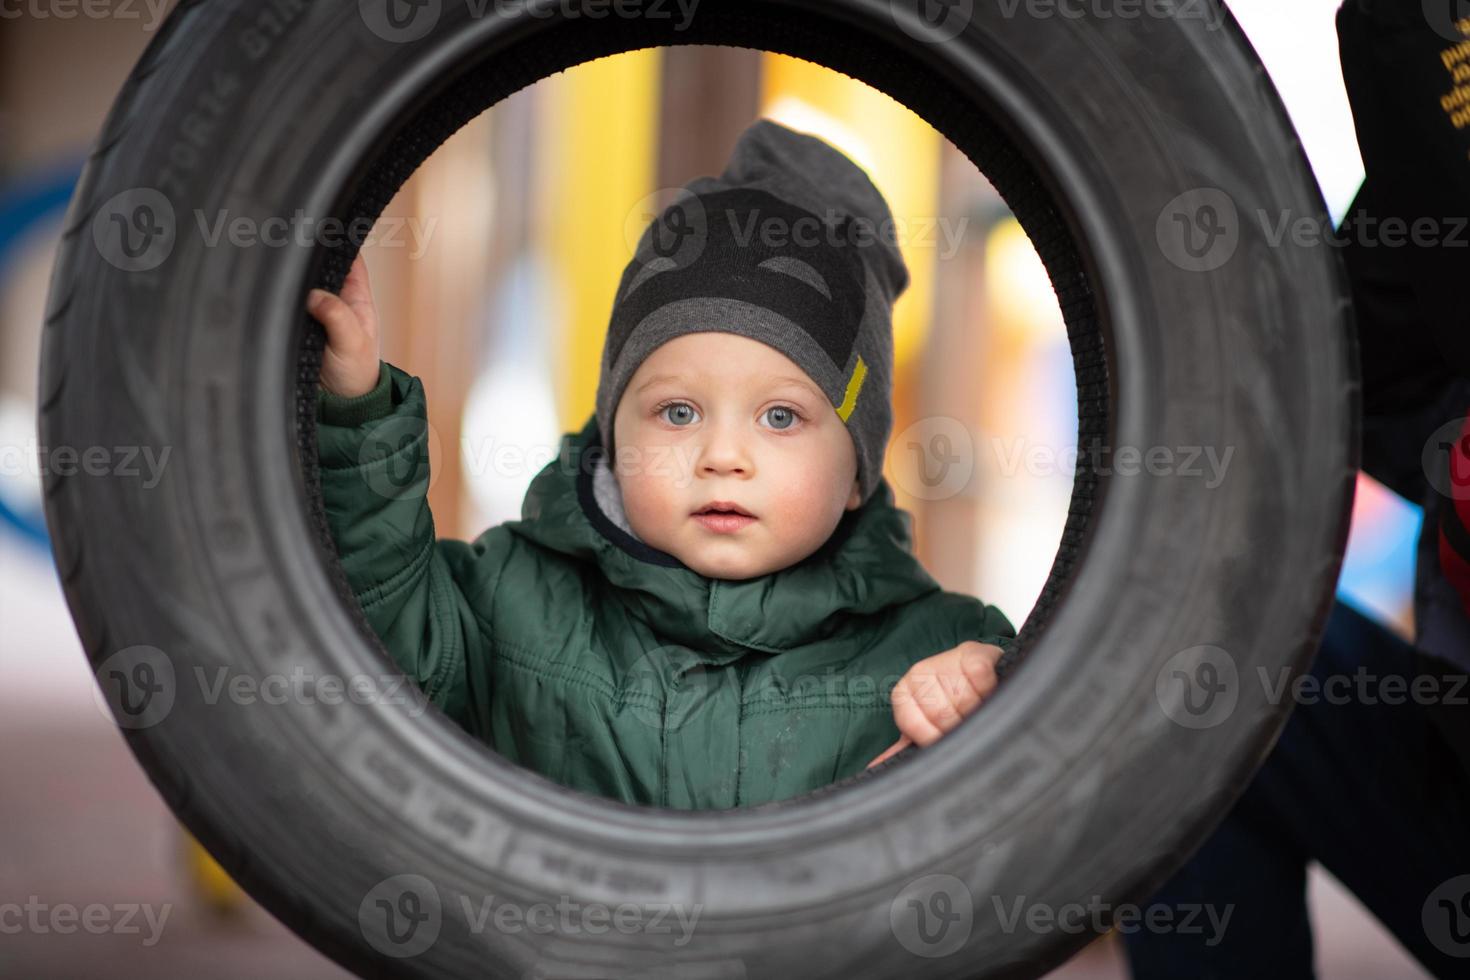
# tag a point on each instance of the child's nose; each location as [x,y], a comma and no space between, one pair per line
[725,453]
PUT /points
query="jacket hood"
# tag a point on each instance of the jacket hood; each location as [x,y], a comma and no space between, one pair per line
[866,566]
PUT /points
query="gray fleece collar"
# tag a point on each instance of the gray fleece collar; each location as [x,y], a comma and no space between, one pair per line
[609,495]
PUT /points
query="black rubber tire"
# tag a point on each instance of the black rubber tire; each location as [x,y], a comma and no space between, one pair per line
[1081,779]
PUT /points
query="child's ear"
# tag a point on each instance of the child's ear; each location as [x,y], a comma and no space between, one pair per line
[854,498]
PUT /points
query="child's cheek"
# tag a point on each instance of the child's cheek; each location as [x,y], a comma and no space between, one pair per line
[648,502]
[801,488]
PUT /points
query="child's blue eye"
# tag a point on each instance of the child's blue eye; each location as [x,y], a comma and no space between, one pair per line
[679,413]
[780,417]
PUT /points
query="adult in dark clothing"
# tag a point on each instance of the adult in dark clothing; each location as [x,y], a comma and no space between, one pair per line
[1376,785]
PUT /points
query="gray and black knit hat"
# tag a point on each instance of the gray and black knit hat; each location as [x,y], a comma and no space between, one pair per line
[792,246]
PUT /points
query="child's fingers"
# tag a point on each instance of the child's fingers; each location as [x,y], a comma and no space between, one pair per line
[939,692]
[357,291]
[943,694]
[897,747]
[345,335]
[913,698]
[977,663]
[954,683]
[329,309]
[358,274]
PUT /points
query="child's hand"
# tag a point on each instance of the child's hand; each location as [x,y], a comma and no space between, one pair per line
[350,364]
[939,691]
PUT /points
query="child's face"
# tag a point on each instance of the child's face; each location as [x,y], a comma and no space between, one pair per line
[718,418]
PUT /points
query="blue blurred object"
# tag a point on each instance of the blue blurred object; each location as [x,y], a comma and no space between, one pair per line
[25,205]
[1378,569]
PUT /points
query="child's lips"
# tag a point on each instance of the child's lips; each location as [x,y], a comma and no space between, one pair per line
[724,523]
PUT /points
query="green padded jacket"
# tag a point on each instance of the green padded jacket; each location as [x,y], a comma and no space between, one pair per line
[572,648]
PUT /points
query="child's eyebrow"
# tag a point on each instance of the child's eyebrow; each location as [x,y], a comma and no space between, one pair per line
[801,383]
[657,379]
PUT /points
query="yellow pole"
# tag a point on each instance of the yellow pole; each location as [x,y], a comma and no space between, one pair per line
[597,157]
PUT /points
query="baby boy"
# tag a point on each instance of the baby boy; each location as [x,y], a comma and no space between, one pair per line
[710,599]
